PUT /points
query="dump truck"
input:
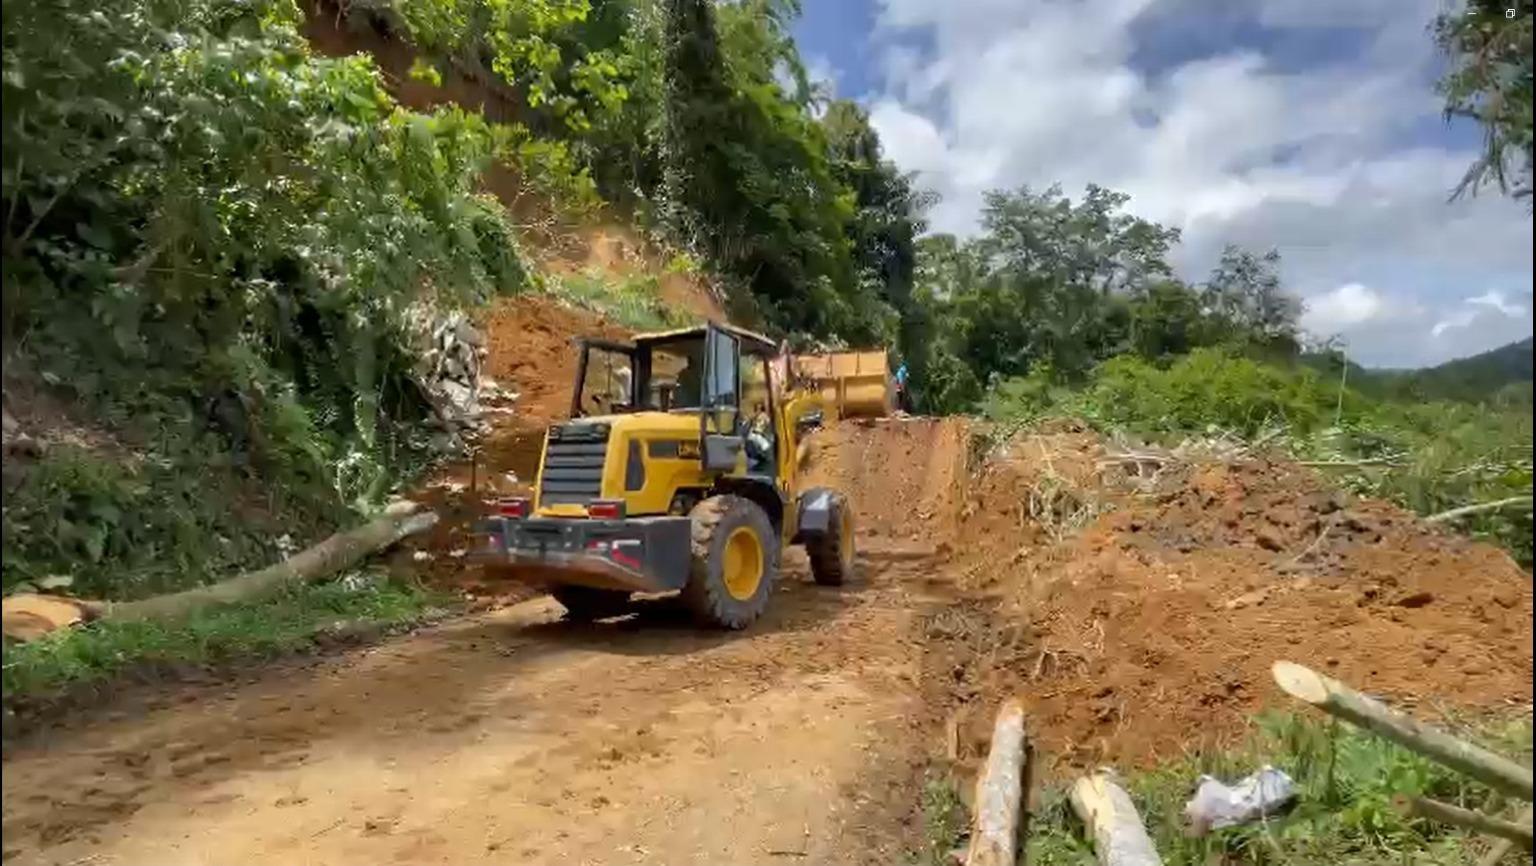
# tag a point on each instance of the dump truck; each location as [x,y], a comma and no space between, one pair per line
[676,472]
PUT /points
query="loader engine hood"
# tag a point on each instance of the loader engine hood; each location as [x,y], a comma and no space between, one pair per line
[638,459]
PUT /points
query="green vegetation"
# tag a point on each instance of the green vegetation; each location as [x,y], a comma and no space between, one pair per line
[296,619]
[1501,376]
[944,821]
[1488,46]
[1428,457]
[1345,778]
[634,302]
[213,238]
[126,528]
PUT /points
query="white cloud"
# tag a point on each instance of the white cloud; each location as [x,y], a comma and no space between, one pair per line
[1495,299]
[1347,306]
[1327,161]
[1491,311]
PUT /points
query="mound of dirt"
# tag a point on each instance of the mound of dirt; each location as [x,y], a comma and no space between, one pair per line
[1151,631]
[905,476]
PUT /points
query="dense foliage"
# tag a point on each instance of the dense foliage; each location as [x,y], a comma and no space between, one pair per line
[1429,456]
[212,239]
[1488,45]
[1051,287]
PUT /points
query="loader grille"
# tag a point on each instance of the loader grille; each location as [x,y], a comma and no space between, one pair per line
[573,464]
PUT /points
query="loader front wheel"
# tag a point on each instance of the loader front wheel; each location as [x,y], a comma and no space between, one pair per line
[585,604]
[831,552]
[735,558]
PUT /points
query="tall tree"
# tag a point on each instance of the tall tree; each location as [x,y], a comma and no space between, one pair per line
[1249,304]
[1489,47]
[887,219]
[748,173]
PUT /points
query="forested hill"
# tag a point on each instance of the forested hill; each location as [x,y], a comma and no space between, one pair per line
[1503,374]
[1479,375]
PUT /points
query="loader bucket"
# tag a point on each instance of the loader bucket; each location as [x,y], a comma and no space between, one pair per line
[855,384]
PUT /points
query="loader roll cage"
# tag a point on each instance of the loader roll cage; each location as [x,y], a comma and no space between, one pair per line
[684,370]
[710,370]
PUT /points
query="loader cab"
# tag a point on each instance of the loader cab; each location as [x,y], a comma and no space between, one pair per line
[720,374]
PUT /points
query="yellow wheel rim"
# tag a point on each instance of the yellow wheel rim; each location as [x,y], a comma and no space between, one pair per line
[743,563]
[845,536]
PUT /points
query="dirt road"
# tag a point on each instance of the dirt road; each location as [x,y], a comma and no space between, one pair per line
[520,738]
[517,737]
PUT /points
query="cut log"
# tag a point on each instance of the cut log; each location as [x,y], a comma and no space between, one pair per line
[1337,699]
[28,616]
[1106,810]
[334,554]
[1000,793]
[1445,813]
[1479,508]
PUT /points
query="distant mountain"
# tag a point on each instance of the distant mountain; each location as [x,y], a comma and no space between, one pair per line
[1504,373]
[1485,373]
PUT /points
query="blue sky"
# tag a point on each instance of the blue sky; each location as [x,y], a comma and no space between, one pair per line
[1310,126]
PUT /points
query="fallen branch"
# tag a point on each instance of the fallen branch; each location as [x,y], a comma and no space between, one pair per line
[1445,813]
[334,554]
[1339,700]
[1000,792]
[1364,461]
[1502,846]
[1119,839]
[1479,508]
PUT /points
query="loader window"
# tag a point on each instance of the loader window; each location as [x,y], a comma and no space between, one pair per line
[606,384]
[677,374]
[722,381]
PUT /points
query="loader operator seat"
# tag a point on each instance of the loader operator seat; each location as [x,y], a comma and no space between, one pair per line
[690,380]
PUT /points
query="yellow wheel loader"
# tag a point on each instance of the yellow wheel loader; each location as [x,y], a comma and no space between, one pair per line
[675,473]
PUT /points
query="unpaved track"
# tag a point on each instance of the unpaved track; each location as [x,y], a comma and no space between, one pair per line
[519,738]
[514,737]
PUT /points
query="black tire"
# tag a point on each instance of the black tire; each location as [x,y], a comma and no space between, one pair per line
[717,591]
[832,552]
[585,604]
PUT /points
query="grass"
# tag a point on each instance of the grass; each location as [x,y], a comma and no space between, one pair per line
[944,821]
[1346,779]
[633,301]
[293,620]
[1426,457]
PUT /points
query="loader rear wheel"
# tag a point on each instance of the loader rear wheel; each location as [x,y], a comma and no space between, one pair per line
[735,559]
[832,552]
[585,604]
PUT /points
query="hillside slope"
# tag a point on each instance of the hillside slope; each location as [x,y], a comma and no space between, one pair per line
[1506,370]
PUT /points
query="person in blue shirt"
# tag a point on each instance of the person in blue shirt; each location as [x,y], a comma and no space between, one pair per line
[902,400]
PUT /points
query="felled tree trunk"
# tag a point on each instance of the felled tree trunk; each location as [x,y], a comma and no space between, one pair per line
[1002,791]
[1106,810]
[334,554]
[1337,699]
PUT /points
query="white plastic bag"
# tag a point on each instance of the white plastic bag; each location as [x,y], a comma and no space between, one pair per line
[1216,805]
